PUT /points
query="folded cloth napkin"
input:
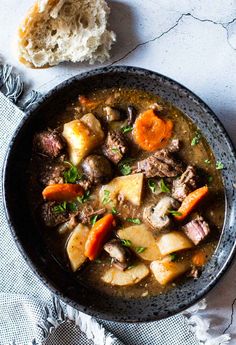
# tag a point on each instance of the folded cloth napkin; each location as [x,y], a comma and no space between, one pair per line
[28,312]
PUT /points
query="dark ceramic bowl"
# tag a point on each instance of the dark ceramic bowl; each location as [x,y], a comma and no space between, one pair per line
[26,230]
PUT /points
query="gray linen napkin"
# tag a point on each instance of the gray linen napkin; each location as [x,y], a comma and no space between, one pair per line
[29,315]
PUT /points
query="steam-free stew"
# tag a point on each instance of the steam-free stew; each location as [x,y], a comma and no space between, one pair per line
[129,193]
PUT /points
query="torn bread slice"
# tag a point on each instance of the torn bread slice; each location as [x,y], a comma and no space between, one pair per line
[65,30]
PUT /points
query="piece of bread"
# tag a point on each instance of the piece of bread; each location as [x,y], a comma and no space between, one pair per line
[65,30]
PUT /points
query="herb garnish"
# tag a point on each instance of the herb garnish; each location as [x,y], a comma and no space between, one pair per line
[71,175]
[219,165]
[133,220]
[114,149]
[207,161]
[127,129]
[114,210]
[97,261]
[124,166]
[93,219]
[60,208]
[152,185]
[196,139]
[173,257]
[175,213]
[72,206]
[164,187]
[209,178]
[64,206]
[106,198]
[82,199]
[140,250]
[126,243]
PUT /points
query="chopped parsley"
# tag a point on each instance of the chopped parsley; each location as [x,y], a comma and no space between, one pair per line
[207,161]
[114,210]
[164,187]
[175,213]
[82,199]
[173,257]
[93,219]
[196,139]
[72,206]
[219,165]
[71,175]
[140,250]
[106,198]
[126,243]
[209,178]
[152,185]
[134,220]
[127,129]
[60,208]
[97,261]
[114,149]
[124,166]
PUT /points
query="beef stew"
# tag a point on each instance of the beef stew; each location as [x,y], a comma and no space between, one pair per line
[128,192]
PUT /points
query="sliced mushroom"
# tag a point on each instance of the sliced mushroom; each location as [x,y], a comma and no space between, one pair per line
[157,215]
[131,114]
[112,114]
[97,168]
[120,255]
[67,226]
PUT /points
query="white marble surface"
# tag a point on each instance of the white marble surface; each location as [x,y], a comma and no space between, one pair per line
[191,41]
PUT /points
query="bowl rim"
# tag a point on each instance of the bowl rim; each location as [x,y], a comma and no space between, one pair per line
[48,282]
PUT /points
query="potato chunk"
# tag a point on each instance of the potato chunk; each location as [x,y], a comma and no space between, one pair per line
[82,136]
[129,187]
[128,277]
[165,271]
[141,237]
[173,242]
[75,246]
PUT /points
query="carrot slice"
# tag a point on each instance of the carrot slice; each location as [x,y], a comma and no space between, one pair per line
[190,202]
[151,132]
[97,236]
[199,258]
[62,192]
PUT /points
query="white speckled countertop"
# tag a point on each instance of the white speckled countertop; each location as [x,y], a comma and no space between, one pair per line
[191,41]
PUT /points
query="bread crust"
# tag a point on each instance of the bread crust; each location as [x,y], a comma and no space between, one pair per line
[30,24]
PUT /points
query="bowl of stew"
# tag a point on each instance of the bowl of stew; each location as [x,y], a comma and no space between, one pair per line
[119,188]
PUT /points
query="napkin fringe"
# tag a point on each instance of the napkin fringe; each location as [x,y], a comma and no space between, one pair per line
[57,315]
[201,326]
[12,86]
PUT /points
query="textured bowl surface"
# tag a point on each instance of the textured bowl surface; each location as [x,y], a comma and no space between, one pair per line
[26,231]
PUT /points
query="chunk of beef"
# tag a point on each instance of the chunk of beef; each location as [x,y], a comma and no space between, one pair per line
[85,183]
[174,146]
[52,218]
[97,169]
[157,215]
[185,184]
[119,254]
[115,146]
[48,143]
[161,164]
[196,230]
[52,173]
[87,212]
